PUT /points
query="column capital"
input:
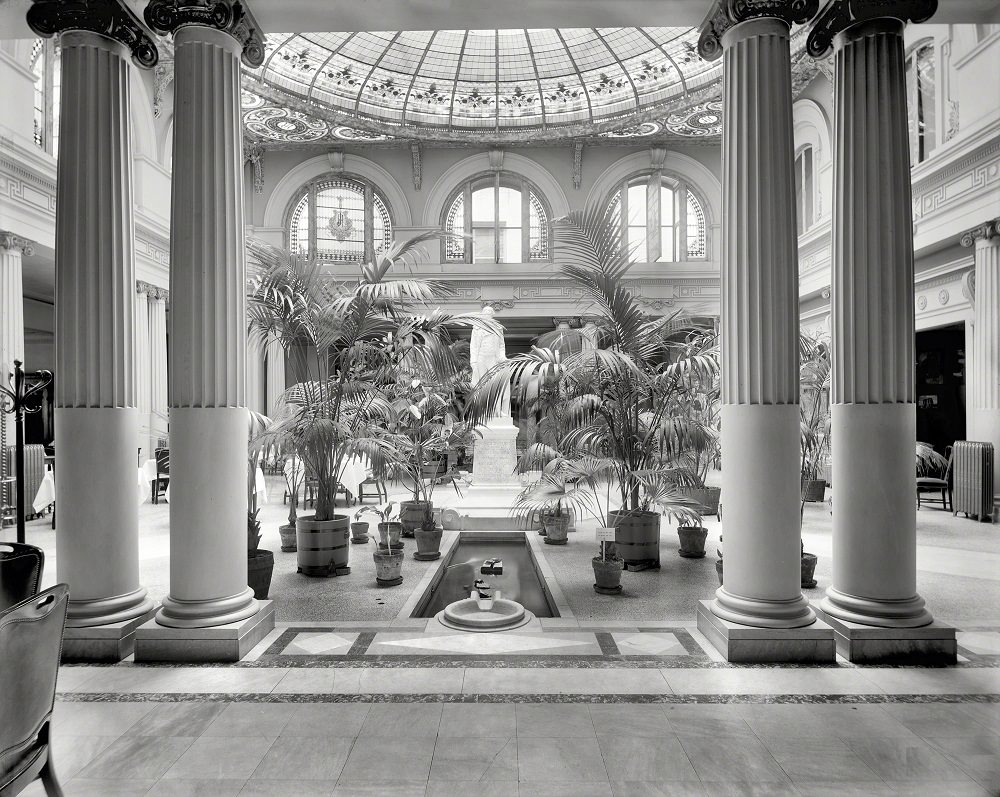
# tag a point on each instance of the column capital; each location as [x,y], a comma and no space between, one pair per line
[229,16]
[726,13]
[983,232]
[154,292]
[9,240]
[111,18]
[838,15]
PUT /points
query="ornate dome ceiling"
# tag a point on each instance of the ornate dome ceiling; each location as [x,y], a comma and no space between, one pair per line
[459,85]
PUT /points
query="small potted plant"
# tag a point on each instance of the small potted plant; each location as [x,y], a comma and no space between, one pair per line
[359,530]
[550,497]
[691,536]
[293,473]
[260,563]
[389,528]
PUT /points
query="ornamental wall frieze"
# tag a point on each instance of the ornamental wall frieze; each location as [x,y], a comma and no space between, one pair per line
[11,241]
[153,246]
[22,191]
[971,181]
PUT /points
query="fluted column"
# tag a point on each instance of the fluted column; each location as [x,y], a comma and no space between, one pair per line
[872,398]
[97,551]
[255,378]
[208,415]
[275,378]
[984,414]
[157,301]
[12,247]
[760,385]
[142,372]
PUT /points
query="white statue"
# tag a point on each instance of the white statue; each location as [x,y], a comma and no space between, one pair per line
[486,349]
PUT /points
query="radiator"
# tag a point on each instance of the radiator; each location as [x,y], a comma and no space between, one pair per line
[34,471]
[972,488]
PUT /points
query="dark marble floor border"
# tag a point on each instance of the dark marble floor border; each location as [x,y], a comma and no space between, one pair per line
[668,699]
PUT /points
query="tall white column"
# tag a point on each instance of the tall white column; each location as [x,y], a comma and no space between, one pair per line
[872,397]
[142,372]
[255,378]
[275,376]
[12,247]
[760,384]
[96,419]
[157,301]
[984,407]
[208,337]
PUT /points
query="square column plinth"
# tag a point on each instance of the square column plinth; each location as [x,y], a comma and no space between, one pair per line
[868,644]
[744,644]
[109,642]
[230,642]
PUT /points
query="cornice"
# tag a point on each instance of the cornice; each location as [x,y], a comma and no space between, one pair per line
[726,13]
[9,240]
[18,160]
[838,15]
[957,156]
[111,18]
[230,16]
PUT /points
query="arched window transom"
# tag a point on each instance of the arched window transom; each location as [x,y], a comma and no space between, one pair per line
[662,219]
[340,219]
[805,187]
[496,218]
[920,102]
[45,67]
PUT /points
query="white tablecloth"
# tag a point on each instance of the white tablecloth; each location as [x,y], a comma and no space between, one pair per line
[47,489]
[354,471]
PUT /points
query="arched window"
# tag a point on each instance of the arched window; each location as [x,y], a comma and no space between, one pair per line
[805,205]
[502,217]
[45,67]
[340,219]
[662,219]
[920,102]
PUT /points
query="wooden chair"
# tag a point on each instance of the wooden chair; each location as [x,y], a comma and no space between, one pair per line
[21,569]
[381,493]
[162,480]
[31,635]
[930,486]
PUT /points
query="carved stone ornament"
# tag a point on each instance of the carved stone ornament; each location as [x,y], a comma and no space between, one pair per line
[111,18]
[577,164]
[499,304]
[981,233]
[726,13]
[253,153]
[838,15]
[154,292]
[9,240]
[415,161]
[496,159]
[163,76]
[231,16]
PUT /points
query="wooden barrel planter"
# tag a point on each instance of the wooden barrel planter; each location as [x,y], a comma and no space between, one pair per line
[323,546]
[637,536]
[813,490]
[706,497]
[412,513]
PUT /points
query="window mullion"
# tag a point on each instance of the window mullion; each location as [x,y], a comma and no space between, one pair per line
[369,222]
[623,212]
[682,229]
[313,251]
[525,223]
[653,218]
[467,221]
[496,218]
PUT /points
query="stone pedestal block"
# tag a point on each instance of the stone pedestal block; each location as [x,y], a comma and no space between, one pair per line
[495,456]
[744,644]
[866,644]
[111,642]
[229,642]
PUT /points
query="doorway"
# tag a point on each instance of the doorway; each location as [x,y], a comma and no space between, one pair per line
[940,382]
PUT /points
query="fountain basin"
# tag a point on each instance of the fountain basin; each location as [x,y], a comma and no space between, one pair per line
[465,615]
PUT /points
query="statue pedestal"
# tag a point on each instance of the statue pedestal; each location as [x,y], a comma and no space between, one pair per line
[495,454]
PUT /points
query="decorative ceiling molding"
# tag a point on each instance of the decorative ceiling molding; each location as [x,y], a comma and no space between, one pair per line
[111,18]
[230,16]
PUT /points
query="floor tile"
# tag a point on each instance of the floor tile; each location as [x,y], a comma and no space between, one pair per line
[641,758]
[223,757]
[943,680]
[178,719]
[477,720]
[135,757]
[737,757]
[287,788]
[706,720]
[774,721]
[473,644]
[412,680]
[903,759]
[769,681]
[850,722]
[843,788]
[109,719]
[649,644]
[307,680]
[411,788]
[70,754]
[977,756]
[629,719]
[80,787]
[265,720]
[477,758]
[71,678]
[745,789]
[934,719]
[571,788]
[385,759]
[553,720]
[824,759]
[196,788]
[982,642]
[986,714]
[305,758]
[951,788]
[326,719]
[402,720]
[560,759]
[666,788]
[470,788]
[320,643]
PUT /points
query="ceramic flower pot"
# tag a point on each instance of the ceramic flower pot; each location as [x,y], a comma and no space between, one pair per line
[359,533]
[389,534]
[412,514]
[692,541]
[808,570]
[813,490]
[428,543]
[287,534]
[556,529]
[260,566]
[388,567]
[608,575]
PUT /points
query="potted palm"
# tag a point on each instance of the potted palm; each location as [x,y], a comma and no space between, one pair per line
[815,368]
[260,563]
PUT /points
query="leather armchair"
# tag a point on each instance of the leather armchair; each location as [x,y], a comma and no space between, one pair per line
[20,572]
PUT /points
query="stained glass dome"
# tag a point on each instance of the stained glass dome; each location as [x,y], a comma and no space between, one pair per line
[461,84]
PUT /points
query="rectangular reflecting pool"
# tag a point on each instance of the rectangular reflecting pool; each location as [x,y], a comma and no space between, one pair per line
[521,580]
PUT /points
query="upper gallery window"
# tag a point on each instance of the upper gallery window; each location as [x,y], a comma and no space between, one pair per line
[341,219]
[45,67]
[662,219]
[496,218]
[920,102]
[805,206]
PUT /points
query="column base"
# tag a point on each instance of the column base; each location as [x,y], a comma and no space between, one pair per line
[105,612]
[906,613]
[743,644]
[176,613]
[110,642]
[793,613]
[224,643]
[867,644]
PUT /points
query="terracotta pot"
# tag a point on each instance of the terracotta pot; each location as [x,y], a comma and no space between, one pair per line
[428,542]
[808,570]
[813,490]
[389,534]
[388,567]
[556,528]
[287,534]
[412,514]
[607,574]
[692,541]
[637,535]
[359,533]
[706,497]
[323,545]
[260,566]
